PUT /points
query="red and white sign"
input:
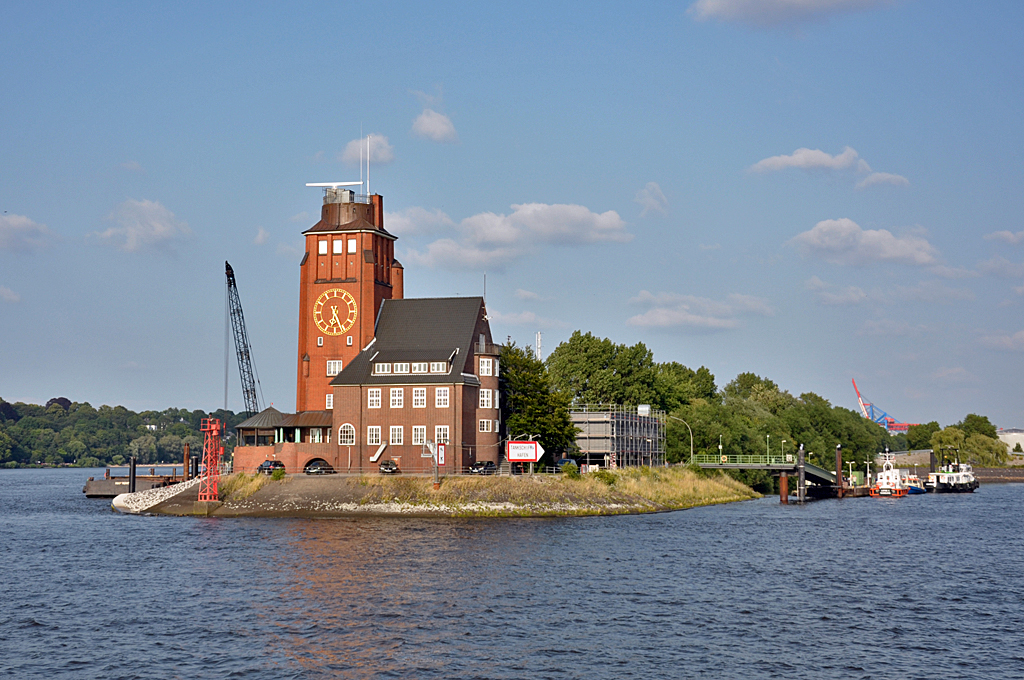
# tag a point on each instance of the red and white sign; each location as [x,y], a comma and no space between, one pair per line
[524,452]
[440,453]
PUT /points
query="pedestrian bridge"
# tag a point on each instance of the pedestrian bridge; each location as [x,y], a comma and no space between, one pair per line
[775,463]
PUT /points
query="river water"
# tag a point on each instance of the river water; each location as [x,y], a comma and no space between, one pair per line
[920,587]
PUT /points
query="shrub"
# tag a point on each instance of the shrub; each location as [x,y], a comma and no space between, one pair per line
[604,476]
[277,475]
[571,471]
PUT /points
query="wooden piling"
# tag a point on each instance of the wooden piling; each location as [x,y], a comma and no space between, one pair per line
[784,488]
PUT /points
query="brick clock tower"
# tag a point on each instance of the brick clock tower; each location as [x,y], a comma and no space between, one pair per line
[349,269]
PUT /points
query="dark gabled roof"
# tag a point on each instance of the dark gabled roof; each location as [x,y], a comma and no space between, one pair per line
[270,418]
[425,329]
[267,418]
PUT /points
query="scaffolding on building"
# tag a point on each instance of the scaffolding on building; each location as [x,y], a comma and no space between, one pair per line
[616,435]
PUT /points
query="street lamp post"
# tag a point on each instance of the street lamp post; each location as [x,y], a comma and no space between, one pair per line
[783,454]
[691,436]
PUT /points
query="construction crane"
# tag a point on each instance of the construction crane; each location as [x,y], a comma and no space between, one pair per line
[877,415]
[250,382]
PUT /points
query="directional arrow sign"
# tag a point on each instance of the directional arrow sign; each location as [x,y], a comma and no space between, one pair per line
[524,452]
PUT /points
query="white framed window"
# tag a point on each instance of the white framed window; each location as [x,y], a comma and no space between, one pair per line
[322,247]
[485,425]
[402,368]
[438,366]
[419,435]
[346,435]
[320,341]
[381,368]
[339,243]
[348,341]
[316,435]
[441,397]
[441,434]
[485,399]
[330,401]
[419,397]
[397,397]
[495,368]
[373,397]
[485,366]
[397,435]
[419,367]
[333,366]
[351,245]
[373,434]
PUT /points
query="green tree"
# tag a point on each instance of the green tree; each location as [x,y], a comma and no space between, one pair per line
[530,405]
[920,436]
[975,424]
[592,370]
[1016,448]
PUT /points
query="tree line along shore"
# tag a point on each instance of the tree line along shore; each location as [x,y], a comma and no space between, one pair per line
[745,416]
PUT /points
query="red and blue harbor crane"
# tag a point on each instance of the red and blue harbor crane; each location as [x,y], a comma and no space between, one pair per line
[877,415]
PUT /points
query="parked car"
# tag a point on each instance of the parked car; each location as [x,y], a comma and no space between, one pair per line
[319,468]
[483,467]
[389,467]
[267,467]
[563,462]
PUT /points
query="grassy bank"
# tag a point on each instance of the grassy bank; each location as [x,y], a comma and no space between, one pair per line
[625,491]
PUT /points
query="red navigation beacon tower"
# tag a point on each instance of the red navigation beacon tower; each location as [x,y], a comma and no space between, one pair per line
[212,451]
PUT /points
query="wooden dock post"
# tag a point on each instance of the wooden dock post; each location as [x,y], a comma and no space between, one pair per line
[784,488]
[839,470]
[801,482]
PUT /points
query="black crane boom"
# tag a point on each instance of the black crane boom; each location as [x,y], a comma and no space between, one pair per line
[242,347]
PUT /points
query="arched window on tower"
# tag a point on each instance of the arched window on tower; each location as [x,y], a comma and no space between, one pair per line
[346,435]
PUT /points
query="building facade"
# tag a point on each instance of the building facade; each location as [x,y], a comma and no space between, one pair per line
[378,375]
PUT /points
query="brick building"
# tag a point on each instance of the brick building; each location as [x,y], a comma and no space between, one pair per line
[377,374]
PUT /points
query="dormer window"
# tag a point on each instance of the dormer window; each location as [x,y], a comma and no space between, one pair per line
[438,366]
[401,368]
[382,368]
[419,367]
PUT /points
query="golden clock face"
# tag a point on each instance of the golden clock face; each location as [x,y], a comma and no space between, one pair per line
[335,311]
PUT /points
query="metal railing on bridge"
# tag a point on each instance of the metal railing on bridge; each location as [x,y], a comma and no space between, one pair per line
[756,461]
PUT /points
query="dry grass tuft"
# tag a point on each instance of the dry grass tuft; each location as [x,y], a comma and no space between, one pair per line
[239,486]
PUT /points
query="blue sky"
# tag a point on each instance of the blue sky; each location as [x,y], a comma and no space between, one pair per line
[812,190]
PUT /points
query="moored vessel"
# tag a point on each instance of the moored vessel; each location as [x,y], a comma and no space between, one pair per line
[952,478]
[888,483]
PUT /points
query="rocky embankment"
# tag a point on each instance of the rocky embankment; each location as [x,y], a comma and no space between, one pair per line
[623,492]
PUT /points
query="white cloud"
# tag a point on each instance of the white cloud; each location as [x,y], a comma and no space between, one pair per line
[1000,266]
[143,224]
[767,13]
[931,291]
[956,375]
[8,295]
[842,241]
[1005,236]
[300,217]
[134,166]
[416,221]
[1008,343]
[888,328]
[526,294]
[380,151]
[809,159]
[816,159]
[262,236]
[491,241]
[436,126]
[19,234]
[947,272]
[670,310]
[651,198]
[883,178]
[828,294]
[525,319]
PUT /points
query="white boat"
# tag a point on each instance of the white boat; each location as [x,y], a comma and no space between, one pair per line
[888,482]
[952,478]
